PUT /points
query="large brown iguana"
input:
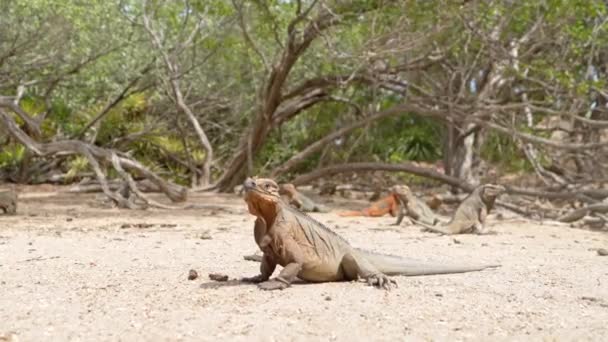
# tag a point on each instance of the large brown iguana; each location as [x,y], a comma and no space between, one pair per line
[8,202]
[299,200]
[310,251]
[386,205]
[470,216]
[413,207]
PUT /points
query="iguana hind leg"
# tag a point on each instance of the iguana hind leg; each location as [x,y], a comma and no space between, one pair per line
[354,268]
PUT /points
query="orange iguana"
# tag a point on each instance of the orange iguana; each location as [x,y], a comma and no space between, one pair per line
[470,216]
[300,201]
[8,202]
[386,205]
[312,252]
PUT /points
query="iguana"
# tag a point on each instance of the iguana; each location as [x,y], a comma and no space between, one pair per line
[413,207]
[312,252]
[300,201]
[470,216]
[8,202]
[386,205]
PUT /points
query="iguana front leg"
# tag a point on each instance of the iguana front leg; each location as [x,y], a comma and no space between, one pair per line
[401,214]
[480,228]
[294,259]
[288,274]
[297,203]
[269,263]
[267,267]
[355,267]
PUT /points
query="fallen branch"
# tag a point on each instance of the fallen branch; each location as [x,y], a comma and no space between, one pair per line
[364,167]
[94,154]
[579,213]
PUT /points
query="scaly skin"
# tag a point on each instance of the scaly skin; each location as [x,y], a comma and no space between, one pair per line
[312,252]
[412,207]
[470,216]
[386,205]
[299,200]
[8,202]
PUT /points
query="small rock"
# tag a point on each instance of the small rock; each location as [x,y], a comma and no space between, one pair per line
[218,277]
[456,241]
[484,245]
[438,295]
[69,219]
[328,298]
[205,235]
[192,274]
[602,252]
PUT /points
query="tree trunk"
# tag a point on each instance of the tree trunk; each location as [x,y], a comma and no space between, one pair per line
[460,153]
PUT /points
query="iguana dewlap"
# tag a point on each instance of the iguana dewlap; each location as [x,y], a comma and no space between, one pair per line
[310,251]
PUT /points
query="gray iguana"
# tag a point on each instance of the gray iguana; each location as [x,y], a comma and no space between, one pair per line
[413,207]
[312,252]
[470,216]
[8,202]
[299,200]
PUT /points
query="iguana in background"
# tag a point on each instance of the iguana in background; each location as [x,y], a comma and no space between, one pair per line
[300,201]
[386,205]
[8,202]
[470,216]
[312,252]
[413,207]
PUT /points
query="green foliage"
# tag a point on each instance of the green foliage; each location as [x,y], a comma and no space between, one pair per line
[11,155]
[407,138]
[500,149]
[76,165]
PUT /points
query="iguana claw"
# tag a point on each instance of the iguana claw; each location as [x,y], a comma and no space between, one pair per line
[381,281]
[273,285]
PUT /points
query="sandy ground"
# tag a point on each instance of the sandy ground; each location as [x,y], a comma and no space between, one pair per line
[70,271]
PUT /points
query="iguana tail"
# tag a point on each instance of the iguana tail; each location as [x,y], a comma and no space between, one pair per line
[395,265]
[439,228]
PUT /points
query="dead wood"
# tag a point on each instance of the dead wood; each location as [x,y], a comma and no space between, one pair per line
[580,213]
[94,155]
[365,167]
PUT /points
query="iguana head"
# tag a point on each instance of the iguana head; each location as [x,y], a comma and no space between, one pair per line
[261,195]
[287,189]
[489,193]
[403,192]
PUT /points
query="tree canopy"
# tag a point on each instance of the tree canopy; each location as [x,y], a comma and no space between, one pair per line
[200,94]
